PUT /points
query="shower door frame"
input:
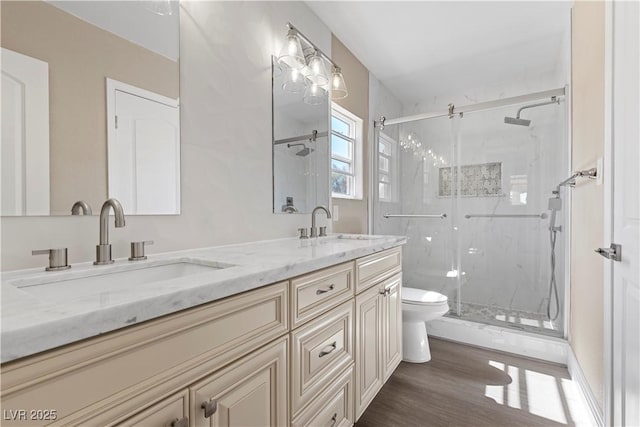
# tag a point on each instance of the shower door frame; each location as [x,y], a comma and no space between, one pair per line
[565,92]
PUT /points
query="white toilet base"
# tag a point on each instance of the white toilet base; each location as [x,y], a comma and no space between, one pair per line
[415,343]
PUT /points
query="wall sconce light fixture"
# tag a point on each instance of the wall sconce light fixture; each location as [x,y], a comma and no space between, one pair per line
[305,68]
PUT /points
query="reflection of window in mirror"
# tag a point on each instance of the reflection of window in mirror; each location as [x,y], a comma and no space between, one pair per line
[387,168]
[346,154]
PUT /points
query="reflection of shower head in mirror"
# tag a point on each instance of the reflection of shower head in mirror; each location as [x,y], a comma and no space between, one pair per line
[302,153]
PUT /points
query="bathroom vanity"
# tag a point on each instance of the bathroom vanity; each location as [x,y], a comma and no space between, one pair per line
[284,332]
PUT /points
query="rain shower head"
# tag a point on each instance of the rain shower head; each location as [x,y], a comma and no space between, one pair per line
[524,122]
[302,153]
[517,121]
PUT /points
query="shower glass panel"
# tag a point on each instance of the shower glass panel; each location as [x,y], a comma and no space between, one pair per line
[506,174]
[408,158]
[491,254]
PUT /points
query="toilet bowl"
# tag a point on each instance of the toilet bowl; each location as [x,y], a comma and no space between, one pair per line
[419,306]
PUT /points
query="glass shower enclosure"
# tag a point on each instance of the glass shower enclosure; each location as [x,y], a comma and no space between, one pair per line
[472,194]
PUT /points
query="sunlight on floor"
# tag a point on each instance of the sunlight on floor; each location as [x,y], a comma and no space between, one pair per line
[540,394]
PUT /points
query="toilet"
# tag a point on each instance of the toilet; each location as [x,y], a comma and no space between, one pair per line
[419,306]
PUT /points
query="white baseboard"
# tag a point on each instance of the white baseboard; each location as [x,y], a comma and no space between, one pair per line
[590,399]
[527,344]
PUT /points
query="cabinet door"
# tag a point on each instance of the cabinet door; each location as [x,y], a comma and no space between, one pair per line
[391,325]
[369,378]
[170,412]
[249,392]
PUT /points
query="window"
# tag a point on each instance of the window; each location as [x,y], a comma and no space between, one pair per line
[387,168]
[346,154]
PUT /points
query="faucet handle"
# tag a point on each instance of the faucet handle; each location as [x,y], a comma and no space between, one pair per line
[137,250]
[323,231]
[57,258]
[303,233]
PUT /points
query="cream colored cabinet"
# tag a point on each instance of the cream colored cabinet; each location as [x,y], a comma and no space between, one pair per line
[332,407]
[369,378]
[302,352]
[378,338]
[320,350]
[249,392]
[391,325]
[170,412]
[108,379]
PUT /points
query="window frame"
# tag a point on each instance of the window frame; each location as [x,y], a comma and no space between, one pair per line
[392,173]
[355,139]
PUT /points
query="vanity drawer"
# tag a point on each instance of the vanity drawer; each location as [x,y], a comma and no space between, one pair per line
[332,407]
[317,292]
[319,351]
[376,267]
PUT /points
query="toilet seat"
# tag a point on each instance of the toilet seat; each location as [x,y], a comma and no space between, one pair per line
[421,297]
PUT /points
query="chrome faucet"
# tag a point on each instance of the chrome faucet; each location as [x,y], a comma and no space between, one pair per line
[103,250]
[314,231]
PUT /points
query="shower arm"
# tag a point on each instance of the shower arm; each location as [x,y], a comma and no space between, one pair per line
[554,100]
[589,173]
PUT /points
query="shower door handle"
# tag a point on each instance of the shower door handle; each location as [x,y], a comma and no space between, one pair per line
[613,253]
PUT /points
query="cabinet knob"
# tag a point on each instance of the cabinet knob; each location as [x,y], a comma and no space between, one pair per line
[303,233]
[57,258]
[210,407]
[334,419]
[180,422]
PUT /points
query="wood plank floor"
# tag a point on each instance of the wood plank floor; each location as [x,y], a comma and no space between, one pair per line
[469,386]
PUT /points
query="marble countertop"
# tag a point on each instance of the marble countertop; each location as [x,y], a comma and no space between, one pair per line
[40,312]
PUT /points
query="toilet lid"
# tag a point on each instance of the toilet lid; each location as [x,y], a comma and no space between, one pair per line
[422,297]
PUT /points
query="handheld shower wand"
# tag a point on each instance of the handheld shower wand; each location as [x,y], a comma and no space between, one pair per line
[555,205]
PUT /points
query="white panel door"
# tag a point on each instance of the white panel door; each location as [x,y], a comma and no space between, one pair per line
[144,152]
[25,135]
[626,214]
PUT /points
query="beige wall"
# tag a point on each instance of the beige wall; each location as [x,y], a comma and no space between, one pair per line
[80,56]
[353,213]
[587,221]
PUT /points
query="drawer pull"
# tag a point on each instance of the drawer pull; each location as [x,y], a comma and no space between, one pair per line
[210,407]
[324,291]
[182,422]
[331,347]
[385,292]
[334,419]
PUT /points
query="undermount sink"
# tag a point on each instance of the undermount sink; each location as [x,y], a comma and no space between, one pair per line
[114,280]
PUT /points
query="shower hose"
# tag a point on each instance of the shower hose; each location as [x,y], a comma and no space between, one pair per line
[553,288]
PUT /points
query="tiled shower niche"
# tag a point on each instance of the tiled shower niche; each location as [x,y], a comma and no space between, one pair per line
[475,180]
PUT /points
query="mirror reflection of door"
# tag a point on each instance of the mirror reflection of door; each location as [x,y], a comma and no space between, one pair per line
[144,150]
[25,154]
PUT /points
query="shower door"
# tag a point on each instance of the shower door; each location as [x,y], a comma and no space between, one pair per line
[407,201]
[505,175]
[472,196]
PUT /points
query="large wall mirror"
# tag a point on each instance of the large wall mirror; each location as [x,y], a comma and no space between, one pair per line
[300,146]
[90,106]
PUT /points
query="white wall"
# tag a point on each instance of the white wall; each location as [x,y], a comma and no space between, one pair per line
[225,81]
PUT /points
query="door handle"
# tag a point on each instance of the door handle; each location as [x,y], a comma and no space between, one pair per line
[614,252]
